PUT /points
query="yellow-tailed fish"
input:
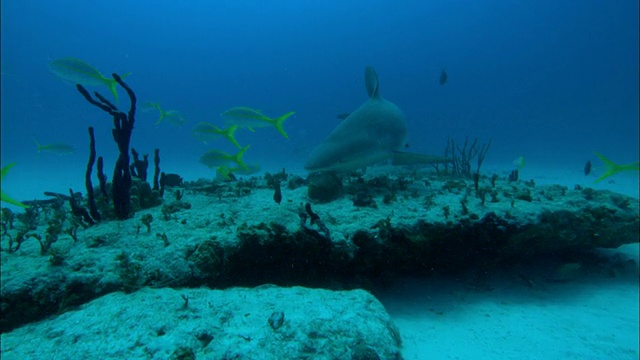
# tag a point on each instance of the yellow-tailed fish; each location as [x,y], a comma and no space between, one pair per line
[175,117]
[79,72]
[613,168]
[252,169]
[519,162]
[55,148]
[217,158]
[172,116]
[249,118]
[223,171]
[4,197]
[206,131]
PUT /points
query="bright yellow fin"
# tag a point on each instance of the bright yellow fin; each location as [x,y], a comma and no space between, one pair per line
[229,135]
[519,162]
[156,106]
[613,168]
[277,122]
[223,172]
[162,115]
[38,147]
[112,84]
[237,158]
[6,198]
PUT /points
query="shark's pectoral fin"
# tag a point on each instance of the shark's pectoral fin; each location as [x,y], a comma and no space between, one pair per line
[408,158]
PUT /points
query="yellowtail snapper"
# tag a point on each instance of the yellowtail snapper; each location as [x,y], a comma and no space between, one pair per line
[55,148]
[79,72]
[249,118]
[172,116]
[217,158]
[205,131]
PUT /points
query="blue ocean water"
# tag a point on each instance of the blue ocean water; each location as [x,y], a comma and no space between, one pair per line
[553,81]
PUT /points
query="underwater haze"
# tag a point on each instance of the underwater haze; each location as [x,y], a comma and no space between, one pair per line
[550,81]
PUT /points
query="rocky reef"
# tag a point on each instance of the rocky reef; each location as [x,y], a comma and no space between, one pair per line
[225,234]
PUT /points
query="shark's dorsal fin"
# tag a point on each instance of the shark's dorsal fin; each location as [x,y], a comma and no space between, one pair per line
[371,82]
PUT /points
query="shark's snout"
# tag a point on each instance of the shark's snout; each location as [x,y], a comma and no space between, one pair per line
[321,158]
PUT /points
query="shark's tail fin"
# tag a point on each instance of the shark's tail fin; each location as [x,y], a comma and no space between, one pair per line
[279,121]
[613,168]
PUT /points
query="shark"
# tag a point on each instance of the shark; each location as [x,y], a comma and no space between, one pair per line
[373,133]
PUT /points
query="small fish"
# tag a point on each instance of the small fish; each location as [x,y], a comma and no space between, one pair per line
[343,116]
[587,168]
[223,172]
[205,131]
[252,169]
[79,72]
[249,118]
[55,148]
[227,173]
[172,116]
[277,195]
[443,77]
[217,158]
